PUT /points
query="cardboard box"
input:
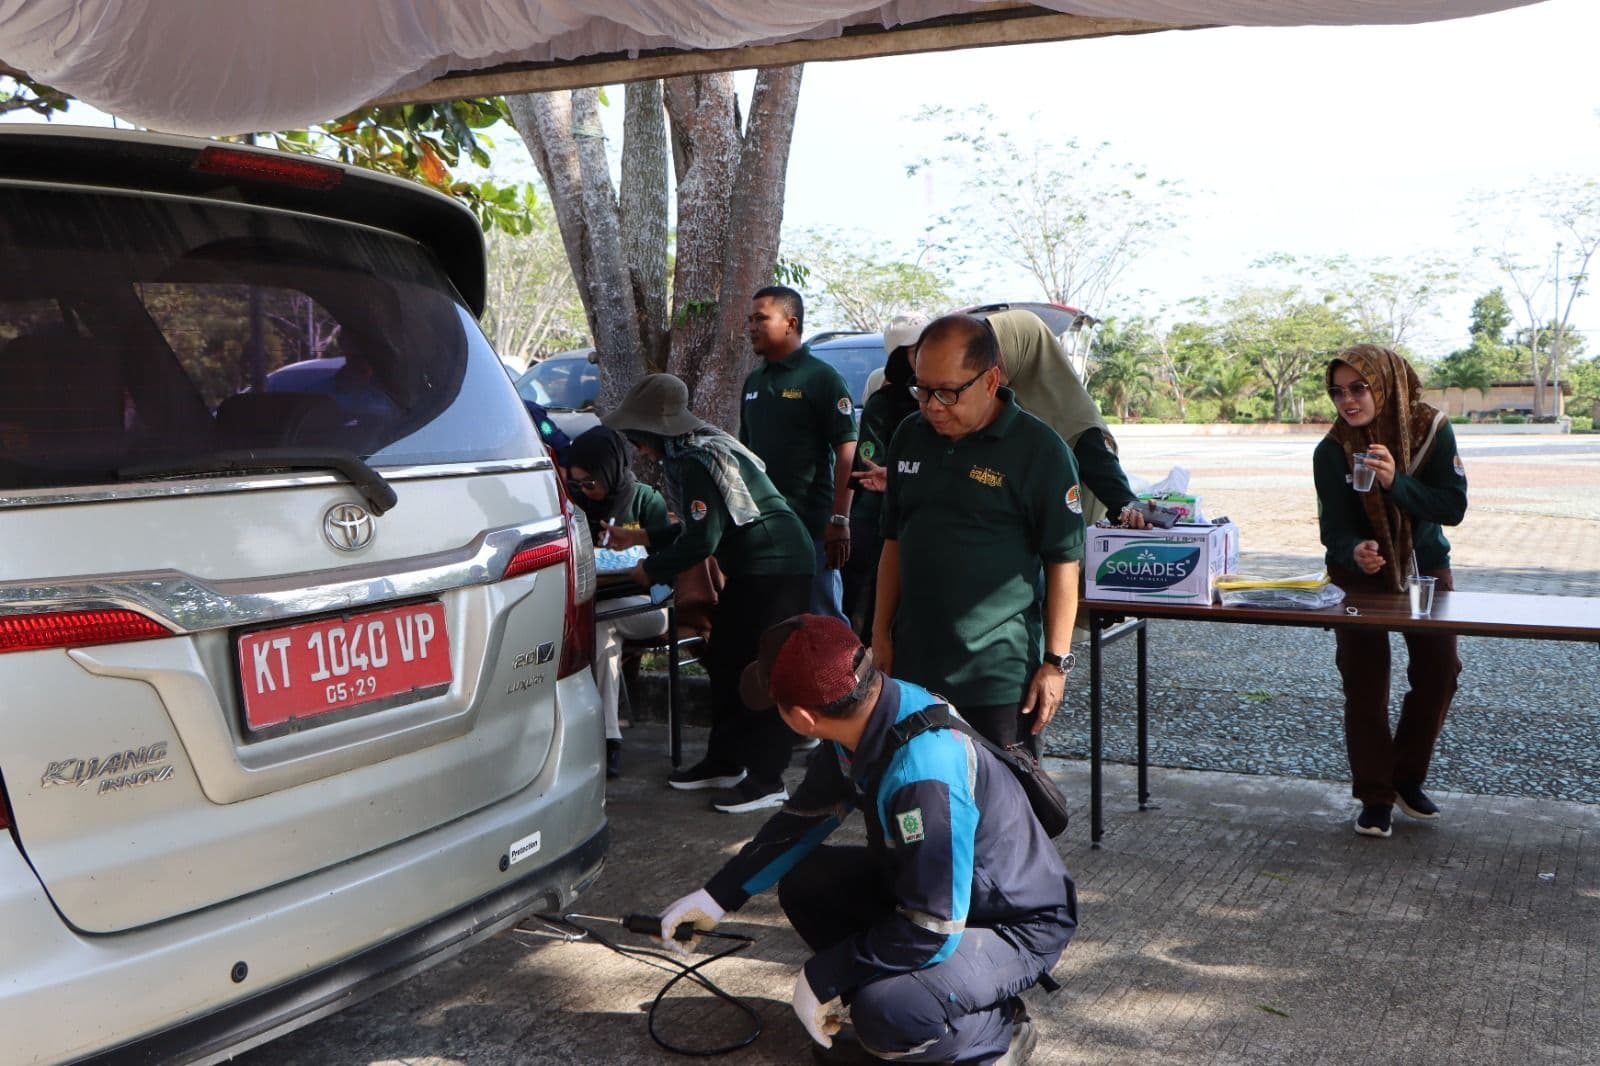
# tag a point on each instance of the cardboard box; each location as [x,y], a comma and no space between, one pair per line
[1177,565]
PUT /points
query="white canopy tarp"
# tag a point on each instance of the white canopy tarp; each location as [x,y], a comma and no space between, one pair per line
[233,66]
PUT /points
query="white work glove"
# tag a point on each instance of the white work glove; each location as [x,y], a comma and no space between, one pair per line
[697,908]
[821,1020]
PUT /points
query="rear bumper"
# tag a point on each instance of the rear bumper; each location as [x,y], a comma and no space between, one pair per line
[233,1029]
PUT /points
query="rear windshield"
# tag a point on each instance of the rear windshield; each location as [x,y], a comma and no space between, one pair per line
[855,362]
[137,331]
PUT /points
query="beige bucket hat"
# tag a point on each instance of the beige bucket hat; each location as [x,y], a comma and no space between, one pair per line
[657,403]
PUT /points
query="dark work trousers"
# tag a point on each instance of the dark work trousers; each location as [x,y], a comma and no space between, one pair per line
[861,576]
[1380,760]
[756,741]
[1003,724]
[956,1010]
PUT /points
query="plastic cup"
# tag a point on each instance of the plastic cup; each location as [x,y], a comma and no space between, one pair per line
[1420,591]
[1361,474]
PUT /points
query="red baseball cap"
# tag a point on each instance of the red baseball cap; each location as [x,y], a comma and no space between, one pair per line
[809,660]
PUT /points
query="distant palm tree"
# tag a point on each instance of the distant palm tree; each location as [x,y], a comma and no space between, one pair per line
[1122,379]
[1232,381]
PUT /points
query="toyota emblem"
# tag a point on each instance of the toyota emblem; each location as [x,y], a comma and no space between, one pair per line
[348,526]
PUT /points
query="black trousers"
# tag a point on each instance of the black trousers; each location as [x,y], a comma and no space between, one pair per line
[755,741]
[1379,759]
[957,1010]
[861,576]
[1003,724]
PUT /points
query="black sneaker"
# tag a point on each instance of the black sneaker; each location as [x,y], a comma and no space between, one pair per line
[749,795]
[1373,821]
[1416,803]
[704,774]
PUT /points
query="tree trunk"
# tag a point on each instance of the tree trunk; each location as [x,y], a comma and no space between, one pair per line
[730,211]
[544,121]
[702,109]
[563,134]
[755,220]
[644,218]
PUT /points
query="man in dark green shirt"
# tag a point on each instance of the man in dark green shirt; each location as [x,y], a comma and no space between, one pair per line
[797,415]
[981,497]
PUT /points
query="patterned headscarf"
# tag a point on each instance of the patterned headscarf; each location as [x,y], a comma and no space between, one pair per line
[718,453]
[1403,424]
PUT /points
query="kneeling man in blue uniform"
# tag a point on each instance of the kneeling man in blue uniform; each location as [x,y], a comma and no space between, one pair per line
[925,937]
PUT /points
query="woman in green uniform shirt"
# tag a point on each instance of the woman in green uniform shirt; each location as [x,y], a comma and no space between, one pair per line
[611,498]
[1374,540]
[727,507]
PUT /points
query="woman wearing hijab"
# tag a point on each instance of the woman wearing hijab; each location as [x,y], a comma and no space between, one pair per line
[1374,541]
[1036,369]
[728,508]
[611,498]
[886,407]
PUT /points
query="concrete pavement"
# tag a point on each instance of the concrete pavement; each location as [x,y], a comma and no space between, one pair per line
[1241,922]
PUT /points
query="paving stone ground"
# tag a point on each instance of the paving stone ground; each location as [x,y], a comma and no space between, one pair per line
[1240,922]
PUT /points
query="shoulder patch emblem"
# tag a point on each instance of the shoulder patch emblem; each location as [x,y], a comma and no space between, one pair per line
[793,394]
[1074,500]
[845,406]
[910,822]
[697,510]
[1461,471]
[867,449]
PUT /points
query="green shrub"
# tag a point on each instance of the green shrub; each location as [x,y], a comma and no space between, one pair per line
[1459,420]
[1513,420]
[1582,424]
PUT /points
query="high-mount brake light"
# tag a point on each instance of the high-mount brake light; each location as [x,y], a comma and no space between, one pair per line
[258,166]
[76,629]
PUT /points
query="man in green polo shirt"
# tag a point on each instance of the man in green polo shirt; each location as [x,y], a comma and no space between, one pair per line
[797,415]
[981,497]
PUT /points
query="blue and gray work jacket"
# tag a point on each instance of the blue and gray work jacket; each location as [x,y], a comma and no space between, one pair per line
[957,843]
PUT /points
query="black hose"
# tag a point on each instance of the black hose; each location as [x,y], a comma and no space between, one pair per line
[679,970]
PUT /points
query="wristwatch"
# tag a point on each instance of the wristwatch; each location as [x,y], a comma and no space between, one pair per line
[1064,663]
[840,520]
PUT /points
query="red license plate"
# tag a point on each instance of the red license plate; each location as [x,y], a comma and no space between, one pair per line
[317,668]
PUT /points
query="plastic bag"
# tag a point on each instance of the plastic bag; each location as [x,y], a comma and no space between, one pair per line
[611,561]
[1310,592]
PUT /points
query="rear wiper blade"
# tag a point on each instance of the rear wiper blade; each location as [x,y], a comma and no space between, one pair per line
[378,493]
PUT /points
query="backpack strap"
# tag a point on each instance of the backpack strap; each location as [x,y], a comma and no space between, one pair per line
[935,716]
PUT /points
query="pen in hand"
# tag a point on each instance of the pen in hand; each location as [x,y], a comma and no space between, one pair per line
[605,538]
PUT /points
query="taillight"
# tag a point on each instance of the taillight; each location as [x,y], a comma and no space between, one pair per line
[76,629]
[574,550]
[259,166]
[577,638]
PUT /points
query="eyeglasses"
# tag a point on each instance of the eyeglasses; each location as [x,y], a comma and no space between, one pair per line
[948,397]
[1356,390]
[584,485]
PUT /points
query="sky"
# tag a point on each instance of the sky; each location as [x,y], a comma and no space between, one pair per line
[1365,141]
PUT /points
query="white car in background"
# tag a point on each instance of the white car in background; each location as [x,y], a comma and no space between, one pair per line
[296,667]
